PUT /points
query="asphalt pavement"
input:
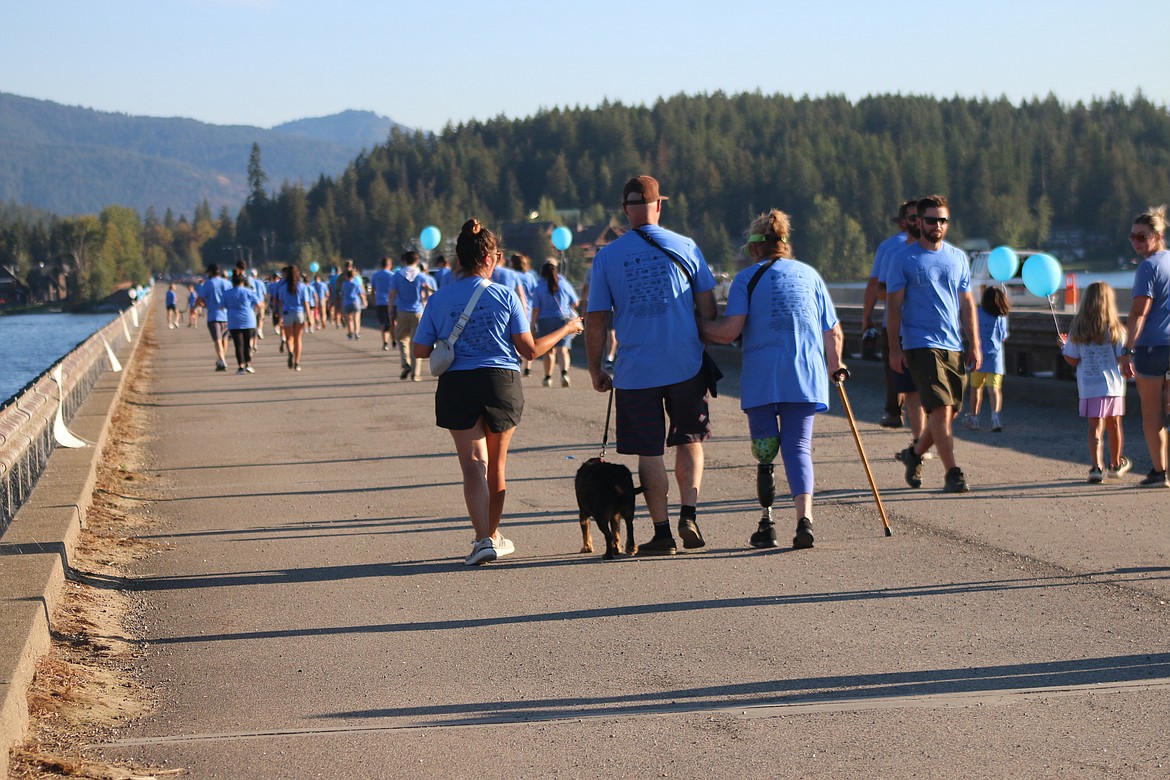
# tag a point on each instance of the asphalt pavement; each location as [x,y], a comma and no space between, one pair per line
[311,616]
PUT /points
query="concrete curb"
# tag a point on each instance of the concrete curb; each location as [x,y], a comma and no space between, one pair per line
[35,550]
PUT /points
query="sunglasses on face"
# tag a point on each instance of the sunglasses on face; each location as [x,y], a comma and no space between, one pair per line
[934,220]
[1138,238]
[911,217]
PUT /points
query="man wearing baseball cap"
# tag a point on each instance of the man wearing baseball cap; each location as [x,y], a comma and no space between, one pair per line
[649,283]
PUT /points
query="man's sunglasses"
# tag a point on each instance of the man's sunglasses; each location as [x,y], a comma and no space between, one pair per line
[934,220]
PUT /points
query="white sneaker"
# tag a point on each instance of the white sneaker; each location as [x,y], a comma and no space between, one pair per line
[504,547]
[1123,466]
[483,551]
[564,380]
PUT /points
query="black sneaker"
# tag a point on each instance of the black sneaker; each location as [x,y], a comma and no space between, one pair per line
[913,463]
[405,373]
[955,482]
[804,536]
[659,545]
[688,530]
[1155,479]
[765,536]
[890,421]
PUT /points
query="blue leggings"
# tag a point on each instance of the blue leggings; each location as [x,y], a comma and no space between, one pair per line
[794,429]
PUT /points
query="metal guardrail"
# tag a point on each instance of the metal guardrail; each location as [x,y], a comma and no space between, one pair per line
[26,424]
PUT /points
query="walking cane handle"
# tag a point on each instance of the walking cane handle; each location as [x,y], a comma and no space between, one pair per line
[841,374]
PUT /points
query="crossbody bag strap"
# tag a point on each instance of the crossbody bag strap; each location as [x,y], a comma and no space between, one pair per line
[756,278]
[467,310]
[686,272]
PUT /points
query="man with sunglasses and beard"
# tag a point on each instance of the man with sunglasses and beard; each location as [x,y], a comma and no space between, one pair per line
[930,304]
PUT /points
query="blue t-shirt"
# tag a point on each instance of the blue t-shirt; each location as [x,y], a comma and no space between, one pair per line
[380,281]
[294,303]
[239,302]
[259,286]
[170,298]
[1152,279]
[351,293]
[407,285]
[932,282]
[652,305]
[993,331]
[191,299]
[486,341]
[783,337]
[550,307]
[441,276]
[321,288]
[212,294]
[881,258]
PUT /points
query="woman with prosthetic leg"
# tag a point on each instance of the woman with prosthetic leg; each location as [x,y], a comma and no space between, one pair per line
[792,343]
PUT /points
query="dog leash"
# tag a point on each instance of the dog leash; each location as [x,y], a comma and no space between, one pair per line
[605,438]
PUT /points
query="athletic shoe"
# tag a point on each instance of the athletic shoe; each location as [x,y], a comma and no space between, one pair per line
[972,423]
[528,372]
[804,536]
[564,380]
[357,337]
[282,345]
[483,551]
[1155,479]
[546,382]
[913,464]
[349,336]
[405,373]
[504,547]
[290,360]
[249,370]
[1094,475]
[996,427]
[659,545]
[385,347]
[220,367]
[890,421]
[765,535]
[1123,466]
[240,372]
[955,482]
[297,367]
[688,530]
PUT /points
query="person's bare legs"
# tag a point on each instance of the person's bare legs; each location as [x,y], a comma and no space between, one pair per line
[1096,430]
[939,434]
[655,486]
[1116,441]
[688,472]
[1151,395]
[483,459]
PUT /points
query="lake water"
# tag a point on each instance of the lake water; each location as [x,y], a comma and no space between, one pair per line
[31,343]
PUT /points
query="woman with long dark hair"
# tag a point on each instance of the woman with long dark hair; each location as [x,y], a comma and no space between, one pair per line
[296,299]
[554,302]
[479,398]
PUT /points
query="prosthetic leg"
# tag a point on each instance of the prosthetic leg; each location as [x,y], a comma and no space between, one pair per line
[765,451]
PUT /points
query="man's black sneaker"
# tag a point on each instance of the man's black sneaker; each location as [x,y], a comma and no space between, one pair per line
[1155,479]
[890,421]
[765,536]
[955,482]
[804,536]
[913,463]
[659,545]
[688,530]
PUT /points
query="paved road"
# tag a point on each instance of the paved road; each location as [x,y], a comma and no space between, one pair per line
[311,616]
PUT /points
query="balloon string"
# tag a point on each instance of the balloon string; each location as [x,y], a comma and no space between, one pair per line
[1052,309]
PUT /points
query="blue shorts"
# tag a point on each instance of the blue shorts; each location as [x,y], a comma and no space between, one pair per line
[1151,362]
[547,325]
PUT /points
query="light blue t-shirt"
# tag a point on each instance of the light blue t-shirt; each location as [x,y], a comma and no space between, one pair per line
[560,306]
[653,307]
[259,286]
[783,337]
[191,299]
[212,294]
[407,285]
[321,288]
[993,331]
[239,302]
[932,282]
[380,281]
[351,293]
[1152,279]
[170,298]
[486,341]
[294,303]
[441,276]
[881,257]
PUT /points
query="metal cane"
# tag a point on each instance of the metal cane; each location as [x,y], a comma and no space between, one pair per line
[839,380]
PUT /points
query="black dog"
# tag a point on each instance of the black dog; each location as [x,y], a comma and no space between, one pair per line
[605,492]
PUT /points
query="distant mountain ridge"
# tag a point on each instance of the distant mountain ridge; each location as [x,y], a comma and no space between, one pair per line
[71,160]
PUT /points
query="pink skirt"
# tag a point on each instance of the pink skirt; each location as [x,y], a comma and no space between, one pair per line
[1103,406]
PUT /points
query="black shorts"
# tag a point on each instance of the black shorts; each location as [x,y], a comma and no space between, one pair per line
[383,316]
[172,307]
[218,330]
[641,423]
[463,397]
[939,376]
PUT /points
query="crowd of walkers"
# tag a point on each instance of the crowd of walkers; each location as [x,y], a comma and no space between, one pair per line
[650,310]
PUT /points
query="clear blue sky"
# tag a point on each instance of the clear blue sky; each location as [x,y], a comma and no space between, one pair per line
[425,63]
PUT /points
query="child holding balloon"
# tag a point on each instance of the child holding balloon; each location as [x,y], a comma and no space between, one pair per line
[1093,345]
[993,331]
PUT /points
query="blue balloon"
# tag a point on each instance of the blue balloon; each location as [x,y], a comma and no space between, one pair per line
[1002,263]
[430,237]
[562,238]
[314,267]
[1042,275]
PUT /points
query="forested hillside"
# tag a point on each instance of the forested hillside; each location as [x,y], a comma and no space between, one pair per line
[1014,174]
[75,160]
